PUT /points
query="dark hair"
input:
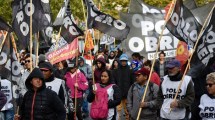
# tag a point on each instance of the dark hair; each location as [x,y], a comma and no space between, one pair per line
[162,52]
[148,63]
[27,55]
[112,66]
[109,75]
[137,55]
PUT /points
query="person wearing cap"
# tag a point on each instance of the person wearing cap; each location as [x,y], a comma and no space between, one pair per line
[76,79]
[135,95]
[40,103]
[55,84]
[124,78]
[169,86]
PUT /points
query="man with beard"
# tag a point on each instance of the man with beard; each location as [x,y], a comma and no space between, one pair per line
[169,86]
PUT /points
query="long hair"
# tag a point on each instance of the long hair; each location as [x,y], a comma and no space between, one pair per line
[109,75]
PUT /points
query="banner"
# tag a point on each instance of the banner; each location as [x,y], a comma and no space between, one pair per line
[9,65]
[56,45]
[183,25]
[64,53]
[204,54]
[21,19]
[105,23]
[107,40]
[144,34]
[89,42]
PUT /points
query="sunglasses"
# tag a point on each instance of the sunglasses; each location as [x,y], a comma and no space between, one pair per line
[209,84]
[27,61]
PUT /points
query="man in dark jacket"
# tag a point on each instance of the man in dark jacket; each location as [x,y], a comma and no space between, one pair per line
[123,77]
[40,103]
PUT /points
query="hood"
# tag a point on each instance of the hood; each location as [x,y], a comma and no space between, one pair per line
[36,73]
[82,59]
[102,60]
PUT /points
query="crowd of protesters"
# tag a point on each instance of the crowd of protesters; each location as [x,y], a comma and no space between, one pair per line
[71,89]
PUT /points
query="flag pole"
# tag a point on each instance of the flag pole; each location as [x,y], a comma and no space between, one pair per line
[189,60]
[5,36]
[158,45]
[85,24]
[37,50]
[31,36]
[76,77]
[14,46]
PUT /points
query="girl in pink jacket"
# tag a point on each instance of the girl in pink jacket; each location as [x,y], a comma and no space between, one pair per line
[81,84]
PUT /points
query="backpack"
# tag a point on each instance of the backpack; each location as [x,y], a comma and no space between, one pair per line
[99,107]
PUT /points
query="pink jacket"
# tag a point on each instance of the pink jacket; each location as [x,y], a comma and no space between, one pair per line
[81,80]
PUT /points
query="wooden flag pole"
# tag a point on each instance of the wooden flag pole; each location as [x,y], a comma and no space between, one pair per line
[5,36]
[189,60]
[31,36]
[158,45]
[76,79]
[14,46]
[37,50]
[85,25]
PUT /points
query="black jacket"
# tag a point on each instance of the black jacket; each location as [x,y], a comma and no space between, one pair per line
[42,104]
[124,78]
[157,67]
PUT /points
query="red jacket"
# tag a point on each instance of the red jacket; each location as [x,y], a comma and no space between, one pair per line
[155,78]
[81,80]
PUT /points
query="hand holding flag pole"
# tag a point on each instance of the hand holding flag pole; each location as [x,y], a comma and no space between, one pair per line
[158,45]
[199,36]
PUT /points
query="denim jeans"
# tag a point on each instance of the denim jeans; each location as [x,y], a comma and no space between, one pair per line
[8,114]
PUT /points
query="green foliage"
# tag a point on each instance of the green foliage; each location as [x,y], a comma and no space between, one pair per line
[6,10]
[107,6]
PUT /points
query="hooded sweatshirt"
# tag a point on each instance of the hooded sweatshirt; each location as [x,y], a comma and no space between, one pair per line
[81,80]
[41,104]
[98,71]
[86,69]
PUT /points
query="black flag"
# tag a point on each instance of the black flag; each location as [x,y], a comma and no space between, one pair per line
[183,25]
[60,16]
[105,23]
[4,25]
[46,34]
[202,12]
[204,54]
[21,19]
[9,64]
[69,29]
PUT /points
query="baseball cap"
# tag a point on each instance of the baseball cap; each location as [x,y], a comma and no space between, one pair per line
[173,63]
[143,71]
